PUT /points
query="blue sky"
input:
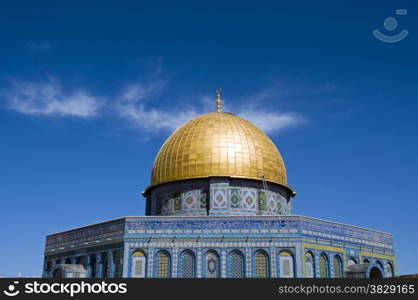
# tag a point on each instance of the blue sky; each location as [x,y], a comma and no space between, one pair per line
[90,90]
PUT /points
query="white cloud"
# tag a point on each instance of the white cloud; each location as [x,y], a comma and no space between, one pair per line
[154,119]
[253,110]
[271,121]
[48,99]
[135,104]
[138,91]
[131,105]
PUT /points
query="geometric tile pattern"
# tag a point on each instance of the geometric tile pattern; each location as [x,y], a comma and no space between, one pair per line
[225,197]
[222,235]
[188,265]
[190,200]
[261,264]
[212,265]
[237,265]
[177,202]
[272,203]
[261,197]
[249,200]
[219,199]
[203,199]
[235,198]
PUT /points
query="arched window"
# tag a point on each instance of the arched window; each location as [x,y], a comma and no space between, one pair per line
[48,267]
[105,264]
[116,263]
[351,261]
[286,264]
[379,263]
[388,270]
[309,265]
[236,264]
[323,266]
[212,264]
[366,261]
[187,264]
[338,269]
[80,260]
[58,273]
[139,263]
[93,266]
[375,273]
[261,264]
[163,265]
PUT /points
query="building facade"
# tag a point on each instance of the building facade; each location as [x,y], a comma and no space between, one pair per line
[219,206]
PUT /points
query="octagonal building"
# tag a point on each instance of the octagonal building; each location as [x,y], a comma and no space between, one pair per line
[219,206]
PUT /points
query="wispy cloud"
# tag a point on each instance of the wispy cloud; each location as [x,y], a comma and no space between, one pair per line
[272,121]
[138,104]
[39,47]
[142,116]
[154,120]
[47,98]
[253,109]
[138,91]
[134,103]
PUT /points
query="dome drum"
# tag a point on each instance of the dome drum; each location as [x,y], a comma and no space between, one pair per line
[218,196]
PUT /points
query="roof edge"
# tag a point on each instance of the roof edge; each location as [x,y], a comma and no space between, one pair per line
[151,186]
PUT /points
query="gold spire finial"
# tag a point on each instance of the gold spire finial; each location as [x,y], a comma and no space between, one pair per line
[218,100]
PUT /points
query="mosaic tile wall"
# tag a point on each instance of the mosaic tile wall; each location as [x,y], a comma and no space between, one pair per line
[285,240]
[218,196]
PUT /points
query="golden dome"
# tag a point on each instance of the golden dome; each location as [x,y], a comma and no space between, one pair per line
[218,144]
